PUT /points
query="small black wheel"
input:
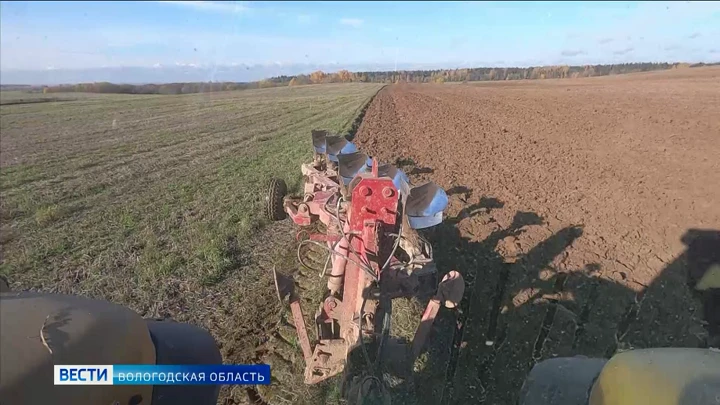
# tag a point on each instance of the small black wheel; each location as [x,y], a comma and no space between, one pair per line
[276,191]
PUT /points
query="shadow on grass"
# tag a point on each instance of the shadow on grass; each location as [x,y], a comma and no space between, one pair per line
[230,258]
[35,100]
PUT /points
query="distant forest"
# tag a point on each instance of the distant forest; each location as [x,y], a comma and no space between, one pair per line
[344,76]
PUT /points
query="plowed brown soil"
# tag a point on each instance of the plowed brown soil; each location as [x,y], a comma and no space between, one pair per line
[568,201]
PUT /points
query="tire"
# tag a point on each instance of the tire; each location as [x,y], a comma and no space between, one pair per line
[179,344]
[561,381]
[276,191]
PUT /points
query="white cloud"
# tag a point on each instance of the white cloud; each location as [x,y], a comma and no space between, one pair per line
[216,6]
[353,22]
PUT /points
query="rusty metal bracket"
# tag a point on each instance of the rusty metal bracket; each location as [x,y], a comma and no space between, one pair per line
[327,360]
[450,292]
[285,286]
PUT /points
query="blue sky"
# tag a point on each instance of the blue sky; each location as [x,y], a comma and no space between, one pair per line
[61,35]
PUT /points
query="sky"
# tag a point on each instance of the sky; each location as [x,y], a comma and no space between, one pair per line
[81,35]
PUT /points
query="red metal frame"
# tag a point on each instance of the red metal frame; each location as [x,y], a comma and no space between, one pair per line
[365,222]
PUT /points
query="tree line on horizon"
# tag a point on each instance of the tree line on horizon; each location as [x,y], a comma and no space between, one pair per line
[403,76]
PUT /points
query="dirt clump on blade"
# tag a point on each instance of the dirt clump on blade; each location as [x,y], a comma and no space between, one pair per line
[568,203]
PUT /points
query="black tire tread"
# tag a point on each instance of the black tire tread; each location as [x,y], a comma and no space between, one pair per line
[276,191]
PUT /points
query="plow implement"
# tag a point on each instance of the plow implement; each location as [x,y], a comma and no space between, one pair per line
[369,215]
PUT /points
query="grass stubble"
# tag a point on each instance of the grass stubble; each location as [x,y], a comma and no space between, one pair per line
[155,202]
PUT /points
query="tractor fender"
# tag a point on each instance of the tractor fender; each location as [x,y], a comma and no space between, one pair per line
[42,330]
[661,376]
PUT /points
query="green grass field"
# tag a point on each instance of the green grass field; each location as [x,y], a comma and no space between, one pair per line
[155,202]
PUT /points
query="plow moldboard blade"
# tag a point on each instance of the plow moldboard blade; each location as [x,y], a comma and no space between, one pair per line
[338,145]
[335,143]
[318,139]
[350,164]
[425,205]
[399,178]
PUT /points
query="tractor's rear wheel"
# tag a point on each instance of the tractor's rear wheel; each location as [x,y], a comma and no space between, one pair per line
[276,191]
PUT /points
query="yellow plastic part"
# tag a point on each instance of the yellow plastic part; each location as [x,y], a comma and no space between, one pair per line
[711,279]
[664,376]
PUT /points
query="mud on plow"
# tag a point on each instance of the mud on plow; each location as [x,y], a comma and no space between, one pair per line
[369,216]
